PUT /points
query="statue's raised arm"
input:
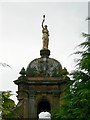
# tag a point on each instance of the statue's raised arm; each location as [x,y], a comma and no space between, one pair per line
[45,33]
[43,21]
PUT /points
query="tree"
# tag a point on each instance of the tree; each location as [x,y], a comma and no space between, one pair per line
[7,105]
[5,65]
[77,97]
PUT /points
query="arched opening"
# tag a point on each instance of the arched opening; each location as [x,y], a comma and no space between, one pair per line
[43,107]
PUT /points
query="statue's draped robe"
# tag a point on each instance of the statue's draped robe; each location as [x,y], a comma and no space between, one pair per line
[45,38]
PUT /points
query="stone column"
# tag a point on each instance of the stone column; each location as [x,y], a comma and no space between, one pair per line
[55,101]
[32,107]
[25,107]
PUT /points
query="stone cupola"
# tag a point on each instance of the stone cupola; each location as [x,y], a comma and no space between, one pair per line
[41,84]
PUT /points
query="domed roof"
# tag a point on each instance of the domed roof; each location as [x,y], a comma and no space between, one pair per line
[43,67]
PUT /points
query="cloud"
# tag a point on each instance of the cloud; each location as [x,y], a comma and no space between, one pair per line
[44,115]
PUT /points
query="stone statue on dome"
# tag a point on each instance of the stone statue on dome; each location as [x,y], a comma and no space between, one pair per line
[45,33]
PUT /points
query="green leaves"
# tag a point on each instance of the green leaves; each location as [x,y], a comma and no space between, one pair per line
[7,104]
[76,103]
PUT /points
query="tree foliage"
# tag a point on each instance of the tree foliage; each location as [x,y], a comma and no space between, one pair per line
[5,65]
[76,103]
[7,105]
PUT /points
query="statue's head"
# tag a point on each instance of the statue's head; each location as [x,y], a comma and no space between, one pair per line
[45,26]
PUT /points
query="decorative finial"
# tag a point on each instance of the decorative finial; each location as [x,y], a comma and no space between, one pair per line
[22,72]
[45,33]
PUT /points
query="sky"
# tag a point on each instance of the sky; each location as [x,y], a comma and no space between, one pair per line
[21,35]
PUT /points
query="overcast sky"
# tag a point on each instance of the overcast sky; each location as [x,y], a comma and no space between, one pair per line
[21,34]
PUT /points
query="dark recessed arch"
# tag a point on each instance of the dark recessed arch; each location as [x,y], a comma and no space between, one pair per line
[43,106]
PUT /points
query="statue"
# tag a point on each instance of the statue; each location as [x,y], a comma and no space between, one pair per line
[45,36]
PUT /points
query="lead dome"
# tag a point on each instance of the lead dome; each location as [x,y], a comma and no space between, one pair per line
[44,67]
